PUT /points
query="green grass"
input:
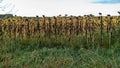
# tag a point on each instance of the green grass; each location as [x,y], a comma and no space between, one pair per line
[61,58]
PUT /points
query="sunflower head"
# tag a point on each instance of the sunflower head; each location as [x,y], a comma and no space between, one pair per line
[100,13]
[118,12]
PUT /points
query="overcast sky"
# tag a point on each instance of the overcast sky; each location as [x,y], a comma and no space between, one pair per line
[56,7]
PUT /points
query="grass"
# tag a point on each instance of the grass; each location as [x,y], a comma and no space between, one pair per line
[49,53]
[61,58]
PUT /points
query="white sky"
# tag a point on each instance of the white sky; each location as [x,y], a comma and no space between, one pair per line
[56,7]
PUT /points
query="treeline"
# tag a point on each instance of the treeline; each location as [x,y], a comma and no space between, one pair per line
[6,15]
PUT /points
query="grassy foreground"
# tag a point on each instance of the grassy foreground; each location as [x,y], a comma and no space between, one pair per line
[31,57]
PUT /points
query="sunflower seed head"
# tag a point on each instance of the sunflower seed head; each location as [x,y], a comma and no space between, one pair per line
[37,16]
[108,15]
[44,16]
[100,13]
[118,12]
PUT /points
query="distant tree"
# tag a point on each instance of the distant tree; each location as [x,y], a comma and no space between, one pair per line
[6,15]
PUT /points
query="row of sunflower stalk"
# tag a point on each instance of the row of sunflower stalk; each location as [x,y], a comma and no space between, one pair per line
[90,29]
